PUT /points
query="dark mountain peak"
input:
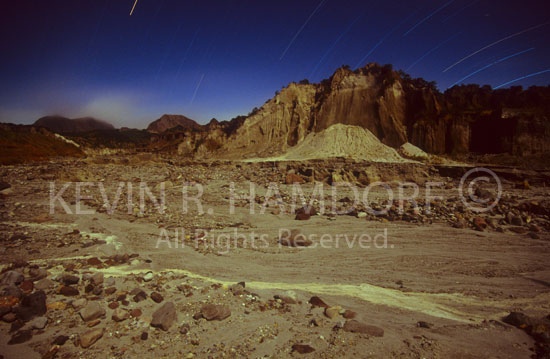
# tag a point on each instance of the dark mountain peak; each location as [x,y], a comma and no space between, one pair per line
[62,124]
[166,122]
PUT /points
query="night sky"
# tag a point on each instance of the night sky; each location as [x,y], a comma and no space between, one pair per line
[220,59]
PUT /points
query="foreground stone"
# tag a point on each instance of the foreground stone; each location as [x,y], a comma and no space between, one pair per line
[31,305]
[354,326]
[295,239]
[215,312]
[302,348]
[165,316]
[92,311]
[90,337]
[120,314]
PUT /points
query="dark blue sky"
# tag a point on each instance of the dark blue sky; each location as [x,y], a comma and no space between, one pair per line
[220,59]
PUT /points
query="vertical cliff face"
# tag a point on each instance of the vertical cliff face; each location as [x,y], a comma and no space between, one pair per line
[395,108]
[372,97]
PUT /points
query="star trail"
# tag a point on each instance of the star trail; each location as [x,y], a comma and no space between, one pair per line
[221,59]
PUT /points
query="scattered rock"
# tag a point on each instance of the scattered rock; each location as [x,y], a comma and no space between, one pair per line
[317,302]
[156,297]
[480,224]
[135,313]
[292,178]
[21,336]
[44,284]
[148,277]
[78,304]
[90,337]
[37,274]
[302,348]
[295,239]
[349,314]
[31,305]
[60,340]
[68,291]
[215,312]
[144,336]
[26,286]
[332,312]
[95,262]
[97,279]
[11,278]
[165,316]
[285,298]
[38,323]
[518,320]
[91,311]
[139,295]
[237,289]
[69,279]
[423,324]
[110,290]
[120,314]
[354,326]
[302,216]
[184,329]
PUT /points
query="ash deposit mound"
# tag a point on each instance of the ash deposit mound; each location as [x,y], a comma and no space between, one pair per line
[343,141]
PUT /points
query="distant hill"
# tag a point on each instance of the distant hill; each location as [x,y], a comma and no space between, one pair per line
[20,143]
[61,124]
[167,122]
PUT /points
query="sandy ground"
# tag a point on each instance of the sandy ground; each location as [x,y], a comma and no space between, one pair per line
[460,281]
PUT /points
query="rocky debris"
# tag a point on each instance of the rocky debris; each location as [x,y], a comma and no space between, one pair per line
[88,338]
[44,284]
[302,216]
[164,316]
[148,277]
[38,323]
[305,213]
[538,329]
[480,224]
[11,278]
[91,311]
[317,302]
[60,340]
[79,303]
[292,178]
[120,314]
[294,239]
[68,291]
[26,286]
[31,305]
[332,312]
[215,312]
[138,294]
[286,298]
[184,329]
[302,348]
[349,314]
[135,313]
[36,274]
[69,279]
[423,324]
[518,320]
[354,326]
[156,297]
[238,289]
[21,336]
[97,279]
[4,186]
